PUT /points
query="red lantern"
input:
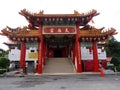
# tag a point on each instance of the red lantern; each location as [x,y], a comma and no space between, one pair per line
[38,19]
[18,39]
[53,19]
[32,38]
[61,19]
[45,19]
[90,39]
[14,38]
[22,39]
[36,38]
[75,19]
[49,19]
[103,37]
[57,19]
[87,39]
[68,19]
[83,39]
[83,19]
[94,39]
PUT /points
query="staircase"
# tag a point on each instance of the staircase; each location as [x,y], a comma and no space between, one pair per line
[58,66]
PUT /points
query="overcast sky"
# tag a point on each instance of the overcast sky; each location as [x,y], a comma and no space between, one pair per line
[109,12]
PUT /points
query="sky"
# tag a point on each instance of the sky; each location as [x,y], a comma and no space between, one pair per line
[109,12]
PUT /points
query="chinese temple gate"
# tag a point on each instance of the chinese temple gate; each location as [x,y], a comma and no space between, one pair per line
[60,36]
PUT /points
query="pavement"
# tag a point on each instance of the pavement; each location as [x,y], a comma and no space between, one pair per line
[61,82]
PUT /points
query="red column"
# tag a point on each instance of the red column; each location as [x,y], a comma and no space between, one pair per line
[95,57]
[44,54]
[73,50]
[78,50]
[40,50]
[22,56]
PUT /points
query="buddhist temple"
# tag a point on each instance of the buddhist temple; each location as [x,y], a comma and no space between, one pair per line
[52,41]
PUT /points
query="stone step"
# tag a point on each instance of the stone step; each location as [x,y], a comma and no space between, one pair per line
[58,65]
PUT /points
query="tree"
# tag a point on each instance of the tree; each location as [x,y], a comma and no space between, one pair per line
[113,48]
[4,62]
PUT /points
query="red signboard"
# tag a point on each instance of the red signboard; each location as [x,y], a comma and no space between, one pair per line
[59,30]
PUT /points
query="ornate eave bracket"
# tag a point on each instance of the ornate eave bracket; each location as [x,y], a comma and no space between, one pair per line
[92,34]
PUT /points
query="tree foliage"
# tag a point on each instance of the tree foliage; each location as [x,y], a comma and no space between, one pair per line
[4,62]
[113,48]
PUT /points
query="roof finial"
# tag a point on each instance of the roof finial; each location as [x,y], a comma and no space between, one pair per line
[76,12]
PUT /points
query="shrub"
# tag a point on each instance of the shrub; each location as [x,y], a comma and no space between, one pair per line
[4,62]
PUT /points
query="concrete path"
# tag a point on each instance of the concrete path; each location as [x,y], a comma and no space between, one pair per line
[58,66]
[61,82]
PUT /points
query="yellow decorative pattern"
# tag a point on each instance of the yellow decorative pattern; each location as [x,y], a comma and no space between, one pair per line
[33,55]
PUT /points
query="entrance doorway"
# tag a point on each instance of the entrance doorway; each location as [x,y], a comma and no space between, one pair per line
[57,52]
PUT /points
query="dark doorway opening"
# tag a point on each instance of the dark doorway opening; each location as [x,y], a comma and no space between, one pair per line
[58,52]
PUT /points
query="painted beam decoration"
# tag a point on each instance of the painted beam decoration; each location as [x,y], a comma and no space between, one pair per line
[59,30]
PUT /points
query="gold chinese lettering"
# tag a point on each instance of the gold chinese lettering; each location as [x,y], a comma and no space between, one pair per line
[51,30]
[59,30]
[66,30]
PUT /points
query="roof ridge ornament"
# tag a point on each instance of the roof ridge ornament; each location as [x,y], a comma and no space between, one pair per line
[76,12]
[41,12]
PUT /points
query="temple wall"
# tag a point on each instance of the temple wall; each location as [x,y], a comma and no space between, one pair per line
[87,52]
[31,54]
[14,54]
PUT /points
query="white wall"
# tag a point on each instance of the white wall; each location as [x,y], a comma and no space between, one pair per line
[14,54]
[87,55]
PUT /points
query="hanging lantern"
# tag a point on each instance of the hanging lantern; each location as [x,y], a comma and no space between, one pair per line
[53,19]
[36,38]
[32,38]
[98,38]
[90,39]
[22,39]
[14,38]
[49,19]
[72,19]
[27,39]
[94,38]
[87,38]
[83,39]
[61,19]
[38,19]
[18,39]
[75,19]
[83,19]
[68,19]
[103,38]
[45,19]
[57,19]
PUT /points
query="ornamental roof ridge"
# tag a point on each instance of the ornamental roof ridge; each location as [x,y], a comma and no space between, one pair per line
[11,31]
[92,31]
[25,12]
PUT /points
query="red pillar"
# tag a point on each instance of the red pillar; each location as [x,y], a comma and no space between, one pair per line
[44,54]
[95,57]
[73,50]
[23,56]
[40,51]
[78,50]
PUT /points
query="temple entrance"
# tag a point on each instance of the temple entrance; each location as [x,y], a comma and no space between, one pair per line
[57,52]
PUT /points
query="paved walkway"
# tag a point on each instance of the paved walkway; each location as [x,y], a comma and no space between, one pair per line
[61,82]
